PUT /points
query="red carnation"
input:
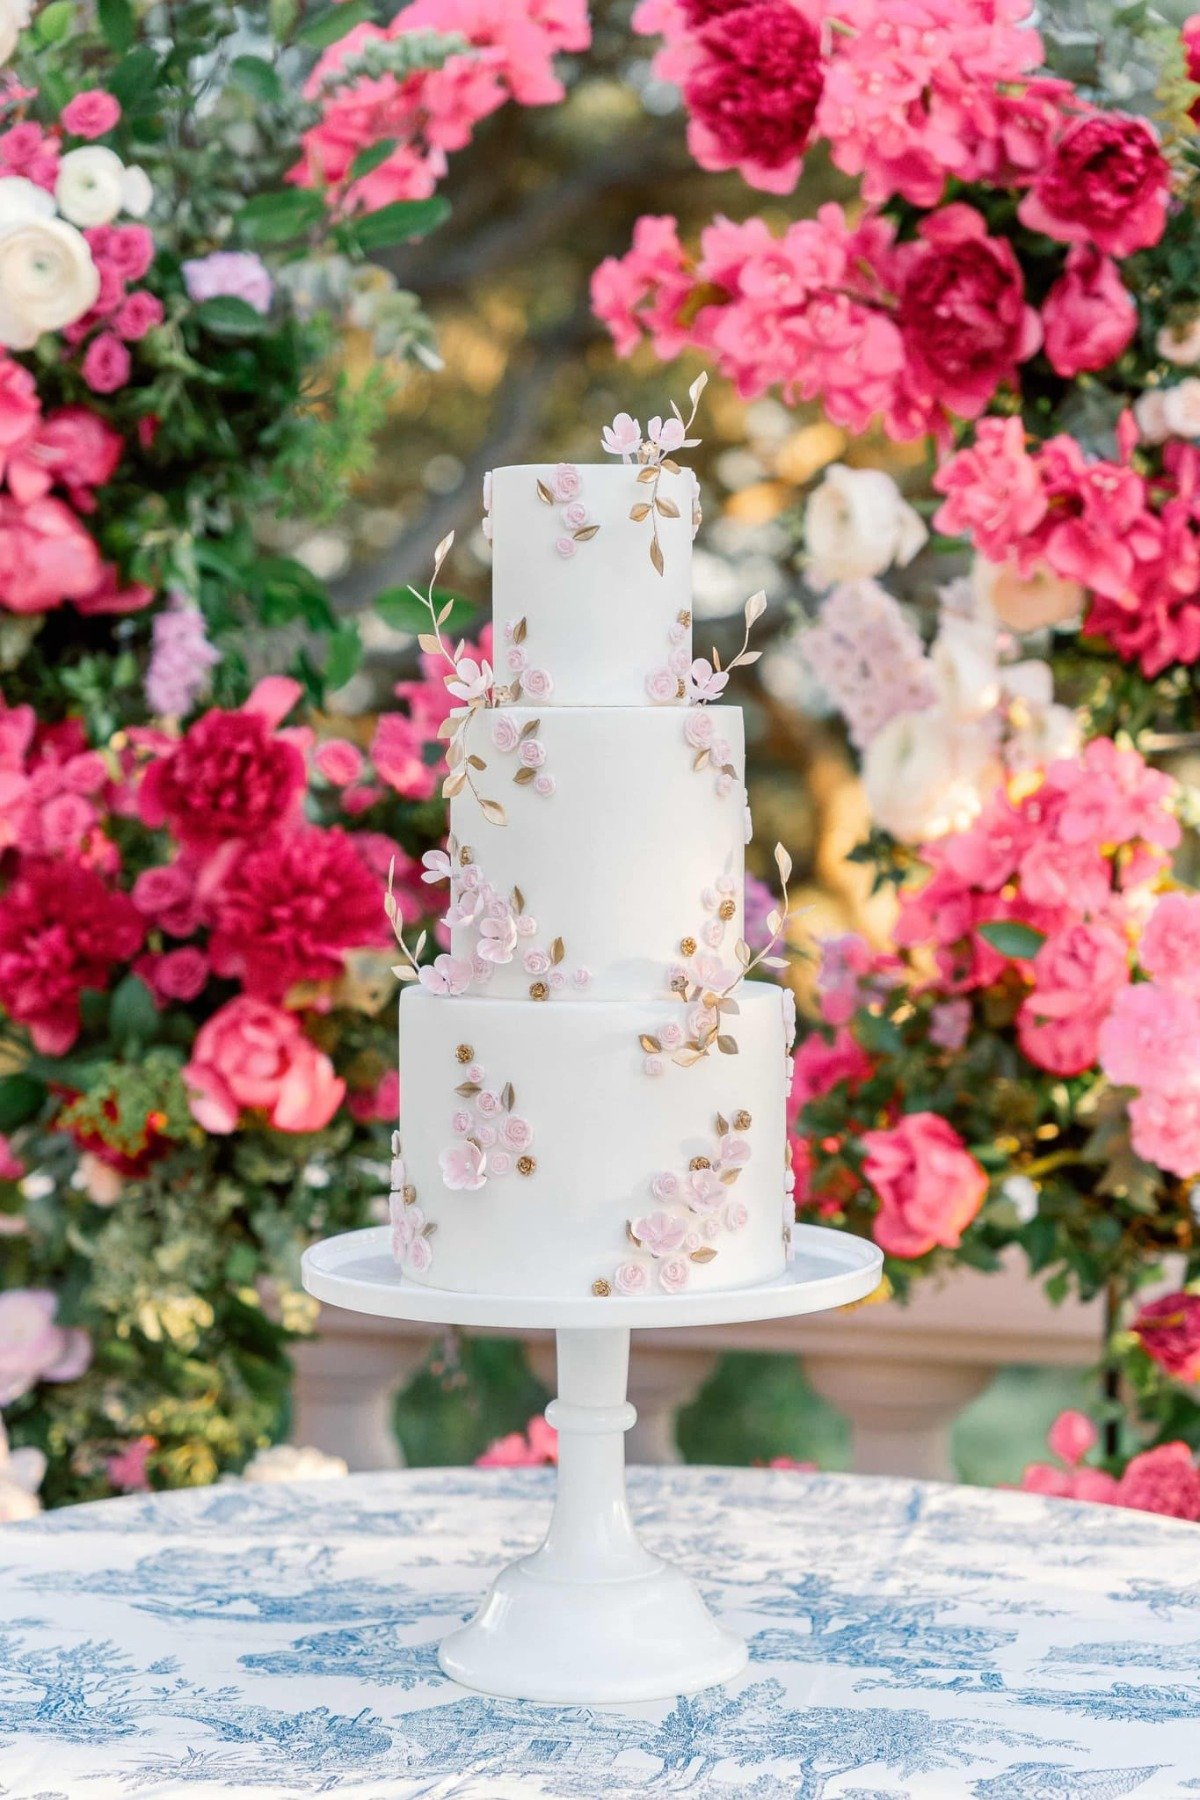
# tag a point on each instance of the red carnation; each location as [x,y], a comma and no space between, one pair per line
[290,909]
[61,931]
[1162,1480]
[228,777]
[962,311]
[1106,184]
[755,84]
[1169,1331]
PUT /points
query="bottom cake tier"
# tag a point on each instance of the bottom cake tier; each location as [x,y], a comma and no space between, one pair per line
[559,1148]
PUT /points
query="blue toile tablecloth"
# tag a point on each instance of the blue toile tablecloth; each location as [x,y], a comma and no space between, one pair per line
[907,1640]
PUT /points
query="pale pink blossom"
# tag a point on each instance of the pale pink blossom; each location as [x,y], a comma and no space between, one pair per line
[537,684]
[32,1347]
[446,975]
[664,1186]
[566,481]
[516,1132]
[497,939]
[660,1233]
[653,1065]
[666,435]
[437,866]
[463,1166]
[472,680]
[705,682]
[705,1189]
[662,684]
[735,1215]
[506,733]
[623,437]
[673,1274]
[516,662]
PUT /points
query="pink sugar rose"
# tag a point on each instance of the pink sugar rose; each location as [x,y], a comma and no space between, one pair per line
[463,1166]
[653,1065]
[1169,1332]
[1152,1039]
[1163,1480]
[928,1184]
[664,1186]
[1170,947]
[506,733]
[566,482]
[1077,975]
[106,364]
[662,684]
[566,547]
[537,684]
[575,515]
[251,1056]
[704,1190]
[544,785]
[674,1272]
[90,114]
[631,1278]
[32,1347]
[697,728]
[532,754]
[661,1233]
[1088,317]
[1106,183]
[735,1215]
[516,1132]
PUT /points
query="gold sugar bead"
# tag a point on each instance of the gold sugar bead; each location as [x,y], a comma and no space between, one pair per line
[683,618]
[742,1120]
[680,689]
[700,1162]
[466,856]
[602,1289]
[727,909]
[465,1053]
[679,985]
[526,1165]
[539,990]
[687,946]
[410,1194]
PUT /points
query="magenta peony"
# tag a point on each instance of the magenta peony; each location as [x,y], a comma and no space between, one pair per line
[1169,1332]
[1106,184]
[1089,316]
[253,1057]
[229,778]
[1163,1480]
[752,92]
[929,1186]
[61,930]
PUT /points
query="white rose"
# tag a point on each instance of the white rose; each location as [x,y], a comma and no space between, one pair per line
[47,276]
[1150,411]
[89,185]
[1181,408]
[14,17]
[858,524]
[1180,344]
[1026,602]
[137,195]
[926,773]
[292,1462]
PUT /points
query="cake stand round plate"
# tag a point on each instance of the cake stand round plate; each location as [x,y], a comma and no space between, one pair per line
[591,1617]
[356,1270]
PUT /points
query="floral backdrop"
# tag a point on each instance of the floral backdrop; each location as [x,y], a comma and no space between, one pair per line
[945,265]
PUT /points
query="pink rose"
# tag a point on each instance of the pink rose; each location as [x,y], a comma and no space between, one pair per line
[106,365]
[500,1162]
[338,761]
[631,1278]
[32,1347]
[698,729]
[1106,184]
[174,974]
[537,684]
[566,482]
[137,315]
[506,733]
[929,1186]
[664,1186]
[660,1233]
[532,753]
[544,785]
[460,1123]
[670,1035]
[1077,975]
[735,1215]
[485,1134]
[566,546]
[673,1274]
[575,515]
[90,114]
[489,1103]
[516,1132]
[463,1166]
[1170,949]
[516,661]
[653,1065]
[662,685]
[1088,317]
[252,1056]
[535,962]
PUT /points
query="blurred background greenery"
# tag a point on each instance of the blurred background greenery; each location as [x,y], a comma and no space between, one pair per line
[541,196]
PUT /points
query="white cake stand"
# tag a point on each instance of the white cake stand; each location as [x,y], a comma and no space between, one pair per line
[591,1616]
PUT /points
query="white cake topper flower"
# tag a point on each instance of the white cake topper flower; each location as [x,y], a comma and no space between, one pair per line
[654,454]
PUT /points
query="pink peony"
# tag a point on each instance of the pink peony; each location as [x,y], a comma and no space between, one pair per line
[252,1057]
[929,1186]
[62,931]
[1152,1039]
[1165,1129]
[90,114]
[1163,1480]
[1077,976]
[1089,316]
[229,778]
[1169,1332]
[1106,184]
[752,90]
[32,1347]
[290,908]
[1170,947]
[46,557]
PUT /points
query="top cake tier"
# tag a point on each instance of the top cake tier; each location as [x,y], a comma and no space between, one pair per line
[592,606]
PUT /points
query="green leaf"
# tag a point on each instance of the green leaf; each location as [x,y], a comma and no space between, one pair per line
[345,654]
[254,75]
[1011,938]
[117,23]
[20,1098]
[227,316]
[132,1016]
[328,26]
[394,224]
[369,159]
[54,21]
[276,217]
[403,610]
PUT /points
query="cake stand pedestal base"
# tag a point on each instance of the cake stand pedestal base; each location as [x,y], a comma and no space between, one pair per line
[591,1617]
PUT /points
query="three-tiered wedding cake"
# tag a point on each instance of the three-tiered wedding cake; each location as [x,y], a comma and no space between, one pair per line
[592,1096]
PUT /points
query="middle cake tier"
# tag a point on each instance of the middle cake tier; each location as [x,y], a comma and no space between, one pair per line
[622,855]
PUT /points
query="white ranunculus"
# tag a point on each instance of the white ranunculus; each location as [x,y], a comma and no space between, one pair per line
[47,276]
[857,523]
[22,200]
[1181,407]
[1039,731]
[1026,602]
[927,773]
[89,185]
[137,195]
[965,666]
[14,17]
[1180,345]
[1150,413]
[292,1462]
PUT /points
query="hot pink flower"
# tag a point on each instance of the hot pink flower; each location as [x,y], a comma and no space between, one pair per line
[62,930]
[253,1057]
[229,778]
[397,752]
[1169,1331]
[1077,975]
[126,1469]
[819,1066]
[174,974]
[91,113]
[46,557]
[106,364]
[1072,1436]
[137,314]
[1163,1480]
[929,1186]
[32,1347]
[72,448]
[1106,184]
[20,408]
[1170,946]
[994,490]
[1088,317]
[535,1448]
[339,761]
[752,91]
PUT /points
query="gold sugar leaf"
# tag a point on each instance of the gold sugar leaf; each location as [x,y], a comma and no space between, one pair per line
[742,951]
[649,473]
[640,511]
[783,863]
[670,465]
[556,951]
[514,692]
[476,762]
[520,630]
[445,612]
[698,386]
[493,812]
[656,555]
[507,1096]
[727,1045]
[687,1057]
[443,550]
[632,1235]
[728,769]
[701,761]
[518,900]
[528,729]
[585,533]
[523,777]
[454,754]
[726,1005]
[729,1176]
[651,1045]
[429,1229]
[454,784]
[544,494]
[447,729]
[667,508]
[402,972]
[429,643]
[722,1124]
[467,1088]
[705,1254]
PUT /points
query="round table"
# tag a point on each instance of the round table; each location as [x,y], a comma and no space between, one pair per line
[906,1640]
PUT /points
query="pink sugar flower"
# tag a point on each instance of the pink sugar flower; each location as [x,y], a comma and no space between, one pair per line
[704,1189]
[463,1166]
[566,482]
[497,939]
[674,1272]
[506,734]
[544,785]
[575,515]
[446,975]
[471,679]
[662,684]
[631,1278]
[516,1132]
[566,547]
[623,437]
[664,1186]
[705,682]
[661,1233]
[437,866]
[735,1215]
[532,754]
[537,684]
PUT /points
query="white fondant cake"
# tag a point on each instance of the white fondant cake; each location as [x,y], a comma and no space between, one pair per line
[592,1096]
